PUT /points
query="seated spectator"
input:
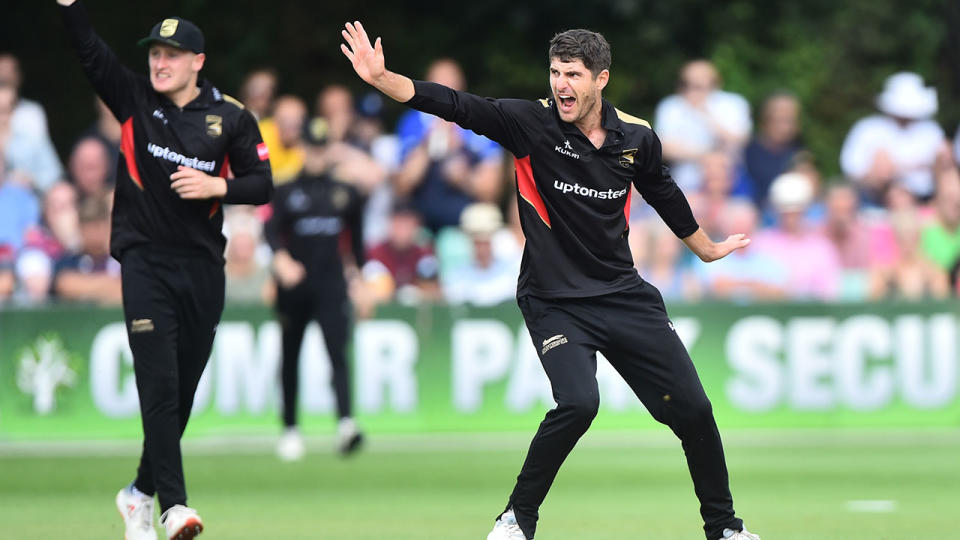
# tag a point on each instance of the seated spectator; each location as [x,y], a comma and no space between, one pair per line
[667,269]
[281,133]
[710,201]
[913,276]
[699,118]
[772,151]
[257,92]
[89,167]
[28,115]
[247,281]
[7,280]
[401,267]
[33,154]
[804,164]
[108,131]
[59,230]
[746,274]
[384,148]
[445,167]
[34,272]
[28,151]
[19,210]
[335,105]
[814,270]
[485,280]
[91,275]
[941,236]
[350,160]
[898,146]
[852,239]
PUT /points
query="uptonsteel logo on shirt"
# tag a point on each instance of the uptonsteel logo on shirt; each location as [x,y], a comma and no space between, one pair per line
[584,191]
[163,152]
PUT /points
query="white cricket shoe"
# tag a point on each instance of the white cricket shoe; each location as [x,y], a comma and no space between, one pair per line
[181,522]
[730,534]
[291,447]
[137,512]
[506,528]
[349,437]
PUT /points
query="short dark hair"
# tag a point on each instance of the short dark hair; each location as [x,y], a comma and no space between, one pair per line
[591,48]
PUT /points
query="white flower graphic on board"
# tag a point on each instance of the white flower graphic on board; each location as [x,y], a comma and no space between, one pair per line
[43,368]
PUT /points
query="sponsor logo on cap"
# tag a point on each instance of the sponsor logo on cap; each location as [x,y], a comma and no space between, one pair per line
[168,27]
[262,152]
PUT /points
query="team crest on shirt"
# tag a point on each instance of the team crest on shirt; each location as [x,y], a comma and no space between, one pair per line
[298,201]
[340,198]
[626,157]
[214,125]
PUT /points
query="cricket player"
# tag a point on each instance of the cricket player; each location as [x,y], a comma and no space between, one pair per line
[310,214]
[576,158]
[181,139]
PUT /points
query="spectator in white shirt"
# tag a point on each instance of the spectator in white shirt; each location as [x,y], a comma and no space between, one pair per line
[898,147]
[487,280]
[23,131]
[700,118]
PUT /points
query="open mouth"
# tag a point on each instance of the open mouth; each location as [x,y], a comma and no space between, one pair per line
[566,102]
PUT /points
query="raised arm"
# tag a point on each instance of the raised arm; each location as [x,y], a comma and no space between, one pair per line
[368,62]
[113,81]
[513,123]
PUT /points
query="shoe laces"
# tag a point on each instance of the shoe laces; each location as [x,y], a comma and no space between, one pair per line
[739,535]
[509,524]
[176,509]
[143,514]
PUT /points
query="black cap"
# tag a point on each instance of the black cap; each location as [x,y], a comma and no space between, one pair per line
[176,32]
[315,131]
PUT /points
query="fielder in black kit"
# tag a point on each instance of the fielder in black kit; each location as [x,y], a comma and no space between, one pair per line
[182,138]
[310,216]
[576,158]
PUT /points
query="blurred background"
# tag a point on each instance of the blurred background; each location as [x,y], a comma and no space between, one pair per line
[827,131]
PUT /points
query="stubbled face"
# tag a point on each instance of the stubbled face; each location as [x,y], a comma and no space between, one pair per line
[575,90]
[171,69]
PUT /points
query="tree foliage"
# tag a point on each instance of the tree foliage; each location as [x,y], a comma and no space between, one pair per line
[833,55]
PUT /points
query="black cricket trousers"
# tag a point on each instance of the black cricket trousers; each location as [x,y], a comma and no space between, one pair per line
[632,330]
[172,302]
[296,307]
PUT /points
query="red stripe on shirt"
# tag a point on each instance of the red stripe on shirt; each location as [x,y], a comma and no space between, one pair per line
[129,154]
[626,207]
[224,173]
[528,188]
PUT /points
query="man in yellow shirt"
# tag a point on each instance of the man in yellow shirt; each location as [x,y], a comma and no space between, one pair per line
[281,133]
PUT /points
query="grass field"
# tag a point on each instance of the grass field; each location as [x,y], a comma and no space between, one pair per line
[794,485]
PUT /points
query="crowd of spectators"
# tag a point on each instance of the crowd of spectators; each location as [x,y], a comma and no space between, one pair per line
[441,222]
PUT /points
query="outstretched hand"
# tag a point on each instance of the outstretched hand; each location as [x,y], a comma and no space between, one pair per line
[367,59]
[731,244]
[708,250]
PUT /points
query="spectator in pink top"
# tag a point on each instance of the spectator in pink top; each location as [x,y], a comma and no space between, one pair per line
[814,267]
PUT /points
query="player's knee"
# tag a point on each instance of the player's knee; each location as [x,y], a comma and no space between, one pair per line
[583,410]
[696,411]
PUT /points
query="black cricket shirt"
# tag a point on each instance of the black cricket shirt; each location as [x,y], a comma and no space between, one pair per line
[310,217]
[574,197]
[213,133]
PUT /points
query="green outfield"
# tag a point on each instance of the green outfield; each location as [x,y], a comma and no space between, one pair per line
[788,486]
